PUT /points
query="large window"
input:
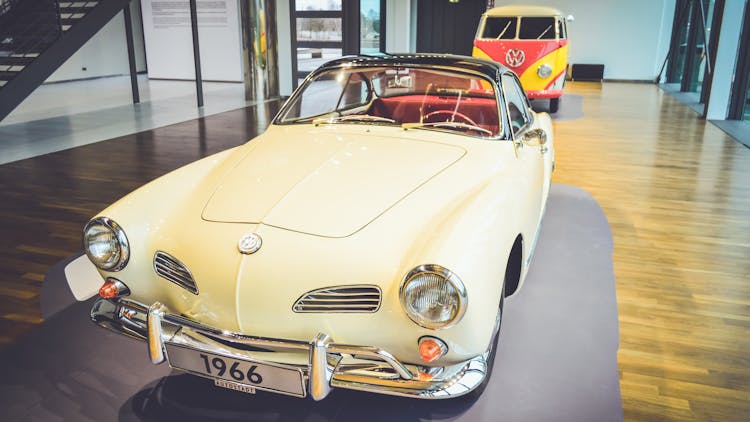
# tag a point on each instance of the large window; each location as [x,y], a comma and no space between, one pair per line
[327,29]
[739,108]
[693,48]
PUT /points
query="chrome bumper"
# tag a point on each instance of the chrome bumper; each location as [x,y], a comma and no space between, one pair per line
[329,365]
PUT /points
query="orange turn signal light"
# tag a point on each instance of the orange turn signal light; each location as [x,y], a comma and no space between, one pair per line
[424,376]
[431,348]
[113,288]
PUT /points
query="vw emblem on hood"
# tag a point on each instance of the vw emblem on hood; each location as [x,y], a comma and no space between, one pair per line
[249,243]
[515,57]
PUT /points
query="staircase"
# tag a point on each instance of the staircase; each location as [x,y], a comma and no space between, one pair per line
[38,36]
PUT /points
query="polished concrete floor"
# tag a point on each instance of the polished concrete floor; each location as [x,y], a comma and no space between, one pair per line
[675,189]
[66,115]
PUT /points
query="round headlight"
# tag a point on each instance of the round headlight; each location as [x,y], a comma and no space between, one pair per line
[105,244]
[544,71]
[433,297]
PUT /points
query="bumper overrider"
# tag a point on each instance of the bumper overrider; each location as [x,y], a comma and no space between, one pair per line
[328,364]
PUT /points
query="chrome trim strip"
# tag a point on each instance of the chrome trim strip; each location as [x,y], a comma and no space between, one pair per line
[325,369]
[173,270]
[353,298]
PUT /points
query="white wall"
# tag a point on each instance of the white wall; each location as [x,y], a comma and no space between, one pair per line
[398,21]
[630,38]
[284,37]
[169,42]
[106,53]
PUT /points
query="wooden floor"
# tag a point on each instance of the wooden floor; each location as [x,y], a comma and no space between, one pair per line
[675,190]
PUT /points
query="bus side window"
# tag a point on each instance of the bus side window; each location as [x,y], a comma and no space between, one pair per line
[563,28]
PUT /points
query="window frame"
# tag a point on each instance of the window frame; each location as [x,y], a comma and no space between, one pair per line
[525,103]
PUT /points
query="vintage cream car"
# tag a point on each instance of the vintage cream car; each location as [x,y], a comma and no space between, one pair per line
[365,241]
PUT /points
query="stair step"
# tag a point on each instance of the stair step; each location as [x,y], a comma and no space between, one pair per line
[15,60]
[11,68]
[70,21]
[6,76]
[78,4]
[65,16]
[75,10]
[25,55]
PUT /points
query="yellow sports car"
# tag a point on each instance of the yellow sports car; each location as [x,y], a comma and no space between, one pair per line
[365,241]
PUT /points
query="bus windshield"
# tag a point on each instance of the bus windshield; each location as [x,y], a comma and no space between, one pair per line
[537,28]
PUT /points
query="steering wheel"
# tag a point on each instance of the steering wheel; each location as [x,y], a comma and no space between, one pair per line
[432,115]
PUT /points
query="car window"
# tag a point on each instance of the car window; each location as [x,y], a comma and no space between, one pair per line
[561,28]
[537,28]
[516,100]
[500,27]
[355,92]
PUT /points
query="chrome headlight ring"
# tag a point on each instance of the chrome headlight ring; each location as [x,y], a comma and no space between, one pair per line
[450,279]
[544,71]
[122,252]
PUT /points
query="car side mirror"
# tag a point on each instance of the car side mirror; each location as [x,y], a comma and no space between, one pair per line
[535,137]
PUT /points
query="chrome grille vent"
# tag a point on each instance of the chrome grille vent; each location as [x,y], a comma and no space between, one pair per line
[175,271]
[340,299]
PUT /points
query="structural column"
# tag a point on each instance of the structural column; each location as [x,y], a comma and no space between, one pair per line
[259,49]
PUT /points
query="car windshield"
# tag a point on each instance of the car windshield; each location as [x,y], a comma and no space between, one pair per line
[411,97]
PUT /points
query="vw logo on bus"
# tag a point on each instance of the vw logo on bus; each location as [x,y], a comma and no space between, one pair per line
[514,57]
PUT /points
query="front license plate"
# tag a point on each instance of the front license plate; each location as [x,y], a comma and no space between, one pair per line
[239,372]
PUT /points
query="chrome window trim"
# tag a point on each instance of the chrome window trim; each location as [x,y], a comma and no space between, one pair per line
[451,277]
[527,107]
[122,239]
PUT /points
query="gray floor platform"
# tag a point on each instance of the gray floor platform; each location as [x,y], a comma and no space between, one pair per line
[557,359]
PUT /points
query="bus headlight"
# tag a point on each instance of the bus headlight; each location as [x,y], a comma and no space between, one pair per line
[544,71]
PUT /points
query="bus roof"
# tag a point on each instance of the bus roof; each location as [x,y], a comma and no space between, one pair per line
[523,11]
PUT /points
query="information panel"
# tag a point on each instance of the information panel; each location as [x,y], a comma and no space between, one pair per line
[169,46]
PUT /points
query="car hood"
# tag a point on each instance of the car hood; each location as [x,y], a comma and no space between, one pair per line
[326,181]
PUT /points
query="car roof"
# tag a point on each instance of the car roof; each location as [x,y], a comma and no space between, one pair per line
[523,11]
[489,68]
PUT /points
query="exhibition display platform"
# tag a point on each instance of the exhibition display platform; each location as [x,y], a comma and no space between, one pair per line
[556,361]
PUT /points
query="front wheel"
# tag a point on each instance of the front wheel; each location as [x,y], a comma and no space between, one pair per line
[554,105]
[491,352]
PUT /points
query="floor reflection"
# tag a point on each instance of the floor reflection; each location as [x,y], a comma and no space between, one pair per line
[189,398]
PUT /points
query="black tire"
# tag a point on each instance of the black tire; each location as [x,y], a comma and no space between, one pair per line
[475,393]
[554,105]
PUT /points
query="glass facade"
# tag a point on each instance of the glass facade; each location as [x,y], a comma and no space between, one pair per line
[327,29]
[369,26]
[692,50]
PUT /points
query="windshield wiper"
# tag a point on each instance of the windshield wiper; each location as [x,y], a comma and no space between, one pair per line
[504,29]
[545,31]
[451,125]
[352,118]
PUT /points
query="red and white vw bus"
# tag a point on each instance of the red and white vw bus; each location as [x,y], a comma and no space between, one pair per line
[530,40]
